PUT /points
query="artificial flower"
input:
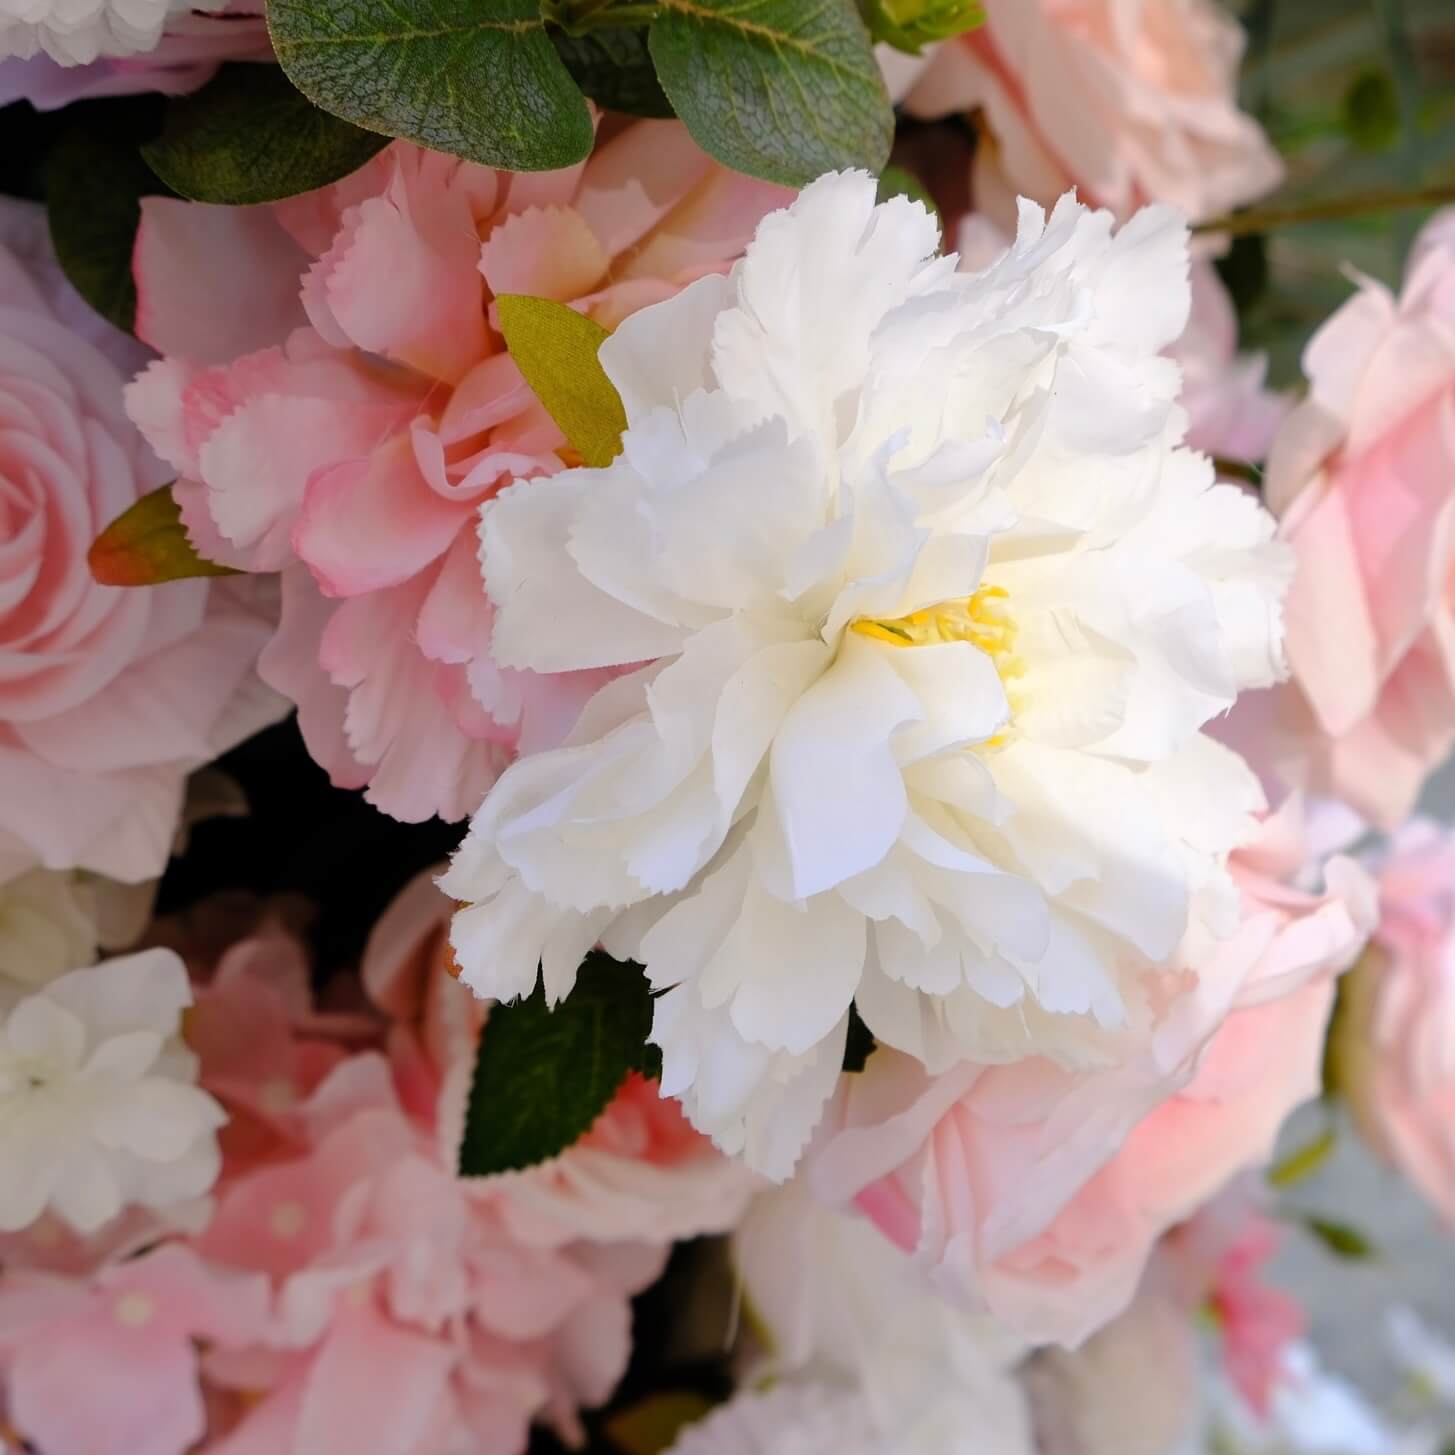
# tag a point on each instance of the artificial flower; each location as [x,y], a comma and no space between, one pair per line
[1362,476]
[47,926]
[348,438]
[640,1171]
[1128,101]
[1038,1192]
[108,697]
[1394,1050]
[99,1106]
[77,34]
[133,1328]
[933,606]
[185,58]
[408,1317]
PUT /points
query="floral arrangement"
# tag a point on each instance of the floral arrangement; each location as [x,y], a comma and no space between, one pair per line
[709,710]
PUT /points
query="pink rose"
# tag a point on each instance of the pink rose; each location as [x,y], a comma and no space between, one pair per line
[1395,1050]
[641,1170]
[342,413]
[1128,101]
[1363,478]
[1037,1192]
[108,697]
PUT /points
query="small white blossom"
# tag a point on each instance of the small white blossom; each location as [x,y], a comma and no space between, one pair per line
[98,1109]
[77,32]
[934,605]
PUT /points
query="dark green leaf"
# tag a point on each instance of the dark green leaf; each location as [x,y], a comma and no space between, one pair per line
[543,1076]
[475,78]
[146,545]
[614,68]
[1339,1238]
[556,350]
[775,88]
[250,136]
[94,185]
[897,182]
[1371,111]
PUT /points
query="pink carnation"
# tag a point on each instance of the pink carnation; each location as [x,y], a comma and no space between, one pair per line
[342,415]
[1396,1047]
[1127,103]
[108,697]
[641,1171]
[1037,1192]
[1363,477]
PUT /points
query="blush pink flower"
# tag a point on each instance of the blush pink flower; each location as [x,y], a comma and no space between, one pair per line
[409,1320]
[342,415]
[108,697]
[1036,1192]
[641,1170]
[108,1364]
[1395,1049]
[1363,478]
[1128,101]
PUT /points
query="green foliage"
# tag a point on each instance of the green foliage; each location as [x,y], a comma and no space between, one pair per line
[1371,111]
[897,182]
[543,1076]
[249,136]
[146,545]
[477,78]
[556,350]
[614,68]
[910,25]
[95,181]
[1339,1238]
[775,88]
[1304,1161]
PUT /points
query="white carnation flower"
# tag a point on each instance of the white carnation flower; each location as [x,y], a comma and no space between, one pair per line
[934,606]
[97,1106]
[77,32]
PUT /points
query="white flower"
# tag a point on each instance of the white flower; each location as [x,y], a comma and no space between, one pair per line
[934,607]
[47,926]
[97,1106]
[875,1363]
[77,32]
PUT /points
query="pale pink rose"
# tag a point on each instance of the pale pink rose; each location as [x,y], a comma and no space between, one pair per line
[1363,478]
[1037,1192]
[108,697]
[108,1364]
[640,1171]
[186,58]
[1396,1045]
[1128,101]
[409,1320]
[1231,415]
[338,402]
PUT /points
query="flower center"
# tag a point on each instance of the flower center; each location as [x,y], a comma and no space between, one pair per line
[983,620]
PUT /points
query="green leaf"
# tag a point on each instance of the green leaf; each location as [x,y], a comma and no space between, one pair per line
[897,182]
[775,88]
[146,545]
[614,68]
[652,1425]
[250,136]
[910,25]
[479,79]
[1371,111]
[1339,1238]
[95,181]
[556,350]
[1304,1161]
[543,1076]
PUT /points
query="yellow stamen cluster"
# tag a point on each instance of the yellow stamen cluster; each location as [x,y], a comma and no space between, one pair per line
[983,620]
